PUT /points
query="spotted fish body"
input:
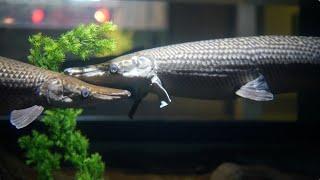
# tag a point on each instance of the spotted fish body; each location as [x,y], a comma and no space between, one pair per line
[217,69]
[26,90]
[19,83]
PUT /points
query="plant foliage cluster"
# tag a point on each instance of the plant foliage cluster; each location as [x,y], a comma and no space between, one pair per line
[83,41]
[62,141]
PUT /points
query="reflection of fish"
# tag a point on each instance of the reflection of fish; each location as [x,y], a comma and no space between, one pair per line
[251,67]
[25,89]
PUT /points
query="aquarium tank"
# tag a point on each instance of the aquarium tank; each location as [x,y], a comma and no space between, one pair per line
[191,138]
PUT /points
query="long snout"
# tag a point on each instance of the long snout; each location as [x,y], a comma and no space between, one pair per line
[89,74]
[99,93]
[80,71]
[104,93]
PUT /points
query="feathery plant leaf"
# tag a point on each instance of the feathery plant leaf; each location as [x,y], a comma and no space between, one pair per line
[84,41]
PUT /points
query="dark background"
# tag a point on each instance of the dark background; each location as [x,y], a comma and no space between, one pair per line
[191,145]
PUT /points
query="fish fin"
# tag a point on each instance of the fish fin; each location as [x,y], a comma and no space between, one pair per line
[23,117]
[256,89]
[134,108]
[160,91]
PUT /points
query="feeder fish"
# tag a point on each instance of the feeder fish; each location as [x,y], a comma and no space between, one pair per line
[26,90]
[255,68]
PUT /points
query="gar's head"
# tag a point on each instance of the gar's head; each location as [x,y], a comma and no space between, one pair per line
[127,72]
[67,91]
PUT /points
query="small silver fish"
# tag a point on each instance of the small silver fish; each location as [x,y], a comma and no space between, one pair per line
[251,67]
[26,90]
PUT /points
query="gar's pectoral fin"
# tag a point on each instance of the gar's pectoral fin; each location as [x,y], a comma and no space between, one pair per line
[156,87]
[23,117]
[256,89]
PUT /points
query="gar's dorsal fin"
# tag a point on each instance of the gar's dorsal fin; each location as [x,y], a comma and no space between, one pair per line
[23,117]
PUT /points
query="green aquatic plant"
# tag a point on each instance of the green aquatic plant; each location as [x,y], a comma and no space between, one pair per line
[126,43]
[62,141]
[39,153]
[83,41]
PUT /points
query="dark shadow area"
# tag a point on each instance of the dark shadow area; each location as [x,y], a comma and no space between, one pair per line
[200,134]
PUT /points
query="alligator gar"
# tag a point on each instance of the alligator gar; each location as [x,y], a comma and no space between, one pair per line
[26,90]
[251,67]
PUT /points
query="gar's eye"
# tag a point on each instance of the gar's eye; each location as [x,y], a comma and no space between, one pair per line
[113,68]
[85,92]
